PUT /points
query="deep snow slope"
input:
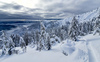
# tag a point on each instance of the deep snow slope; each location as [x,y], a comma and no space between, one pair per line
[87,49]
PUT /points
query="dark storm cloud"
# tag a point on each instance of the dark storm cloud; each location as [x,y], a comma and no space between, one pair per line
[5,15]
[51,14]
[18,15]
[89,5]
[50,9]
[11,6]
[70,6]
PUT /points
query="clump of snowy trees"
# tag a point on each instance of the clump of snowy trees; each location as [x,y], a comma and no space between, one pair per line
[10,42]
[40,39]
[80,29]
[44,43]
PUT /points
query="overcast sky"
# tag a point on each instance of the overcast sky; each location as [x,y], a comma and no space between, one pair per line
[45,9]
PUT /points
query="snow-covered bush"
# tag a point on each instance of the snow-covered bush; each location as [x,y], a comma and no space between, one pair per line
[54,40]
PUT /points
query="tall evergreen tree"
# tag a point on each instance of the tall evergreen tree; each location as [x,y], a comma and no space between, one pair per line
[42,41]
[22,44]
[63,33]
[47,44]
[11,46]
[97,25]
[5,44]
[15,39]
[37,39]
[73,30]
[28,38]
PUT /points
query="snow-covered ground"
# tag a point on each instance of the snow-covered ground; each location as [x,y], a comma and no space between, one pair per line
[93,45]
[87,49]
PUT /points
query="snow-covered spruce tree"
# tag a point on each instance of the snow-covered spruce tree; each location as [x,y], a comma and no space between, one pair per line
[48,44]
[85,28]
[51,31]
[8,44]
[33,37]
[93,23]
[90,26]
[73,29]
[37,39]
[66,28]
[11,46]
[97,25]
[63,33]
[25,37]
[81,33]
[58,32]
[22,44]
[43,43]
[37,36]
[5,44]
[15,39]
[28,38]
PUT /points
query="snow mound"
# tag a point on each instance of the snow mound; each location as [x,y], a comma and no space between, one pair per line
[68,47]
[76,51]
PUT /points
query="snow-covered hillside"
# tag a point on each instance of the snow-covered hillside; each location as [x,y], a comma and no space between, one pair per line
[88,16]
[87,49]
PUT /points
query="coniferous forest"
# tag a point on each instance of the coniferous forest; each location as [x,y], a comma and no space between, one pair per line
[45,38]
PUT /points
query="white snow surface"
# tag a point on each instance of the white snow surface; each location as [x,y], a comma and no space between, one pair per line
[87,49]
